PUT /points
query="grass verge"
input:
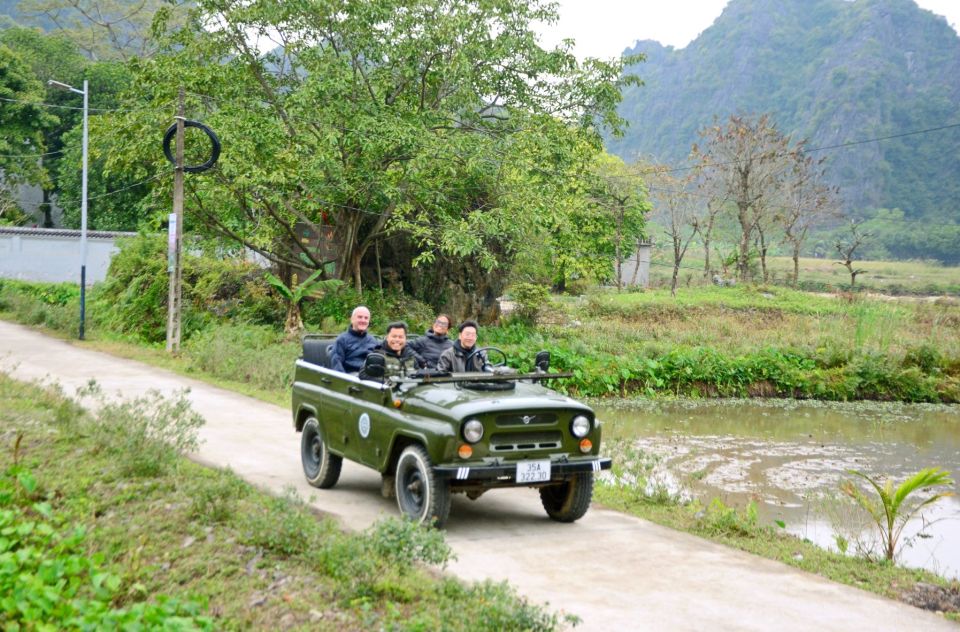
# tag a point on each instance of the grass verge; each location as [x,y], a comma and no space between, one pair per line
[112,528]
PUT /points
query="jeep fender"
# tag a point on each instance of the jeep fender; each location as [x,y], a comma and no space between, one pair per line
[303,413]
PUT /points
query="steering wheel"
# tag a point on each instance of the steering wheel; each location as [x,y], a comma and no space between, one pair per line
[503,357]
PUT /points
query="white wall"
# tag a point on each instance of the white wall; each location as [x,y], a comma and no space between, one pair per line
[53,255]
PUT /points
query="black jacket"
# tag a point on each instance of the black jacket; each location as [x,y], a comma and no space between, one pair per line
[430,346]
[407,361]
[350,350]
[454,360]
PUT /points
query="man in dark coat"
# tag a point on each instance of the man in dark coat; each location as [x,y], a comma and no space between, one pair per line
[352,346]
[454,359]
[400,358]
[434,342]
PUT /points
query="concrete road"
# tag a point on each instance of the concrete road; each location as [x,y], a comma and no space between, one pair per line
[615,572]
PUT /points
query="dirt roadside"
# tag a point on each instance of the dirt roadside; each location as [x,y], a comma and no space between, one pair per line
[615,572]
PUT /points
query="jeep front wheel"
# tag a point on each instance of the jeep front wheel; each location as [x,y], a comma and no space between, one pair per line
[320,466]
[568,501]
[421,496]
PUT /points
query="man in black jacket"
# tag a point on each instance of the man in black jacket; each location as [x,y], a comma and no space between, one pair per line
[454,359]
[400,358]
[352,346]
[434,342]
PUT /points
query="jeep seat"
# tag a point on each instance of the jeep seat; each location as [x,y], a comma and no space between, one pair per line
[317,351]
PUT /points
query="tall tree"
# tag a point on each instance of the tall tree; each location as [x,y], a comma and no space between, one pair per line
[847,247]
[809,201]
[24,121]
[677,207]
[51,57]
[366,119]
[745,161]
[620,195]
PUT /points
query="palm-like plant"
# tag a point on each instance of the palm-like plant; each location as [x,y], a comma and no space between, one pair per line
[888,509]
[294,294]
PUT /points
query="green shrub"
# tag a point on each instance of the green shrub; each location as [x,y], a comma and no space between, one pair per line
[251,354]
[147,434]
[133,298]
[529,299]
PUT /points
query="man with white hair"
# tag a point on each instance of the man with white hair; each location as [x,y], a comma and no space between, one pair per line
[352,346]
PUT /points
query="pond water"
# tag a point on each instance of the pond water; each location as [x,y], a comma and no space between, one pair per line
[789,458]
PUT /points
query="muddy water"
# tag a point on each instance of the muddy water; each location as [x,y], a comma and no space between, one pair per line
[789,458]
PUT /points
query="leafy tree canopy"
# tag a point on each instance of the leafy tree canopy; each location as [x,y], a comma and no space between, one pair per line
[440,120]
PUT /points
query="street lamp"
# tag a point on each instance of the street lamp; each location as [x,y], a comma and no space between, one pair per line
[83,200]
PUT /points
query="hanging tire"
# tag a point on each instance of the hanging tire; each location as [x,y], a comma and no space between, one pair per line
[568,501]
[421,496]
[320,466]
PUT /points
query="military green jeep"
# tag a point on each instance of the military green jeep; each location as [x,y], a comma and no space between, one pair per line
[431,435]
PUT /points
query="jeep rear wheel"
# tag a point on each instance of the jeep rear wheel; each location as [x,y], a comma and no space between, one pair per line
[320,466]
[421,496]
[568,501]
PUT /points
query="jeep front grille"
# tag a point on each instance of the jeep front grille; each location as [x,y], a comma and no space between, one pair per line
[514,442]
[520,419]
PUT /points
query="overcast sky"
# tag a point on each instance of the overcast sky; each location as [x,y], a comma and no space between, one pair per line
[603,28]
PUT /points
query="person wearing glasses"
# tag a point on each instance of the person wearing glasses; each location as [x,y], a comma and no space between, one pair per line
[454,359]
[434,342]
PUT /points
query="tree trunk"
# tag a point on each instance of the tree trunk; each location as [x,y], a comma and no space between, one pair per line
[706,258]
[293,324]
[673,282]
[763,255]
[796,267]
[743,257]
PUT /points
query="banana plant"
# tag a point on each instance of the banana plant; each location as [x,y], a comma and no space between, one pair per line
[889,509]
[294,294]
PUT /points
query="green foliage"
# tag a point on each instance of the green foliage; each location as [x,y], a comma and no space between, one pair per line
[48,581]
[719,519]
[217,537]
[406,542]
[147,434]
[361,147]
[530,299]
[283,526]
[133,298]
[250,354]
[22,119]
[890,509]
[214,496]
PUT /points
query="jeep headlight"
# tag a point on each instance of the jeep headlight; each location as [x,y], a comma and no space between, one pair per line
[580,426]
[472,431]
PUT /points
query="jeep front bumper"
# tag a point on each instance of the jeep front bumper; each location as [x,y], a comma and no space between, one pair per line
[505,473]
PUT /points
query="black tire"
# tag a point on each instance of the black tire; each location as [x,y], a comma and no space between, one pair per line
[568,501]
[421,496]
[214,146]
[320,466]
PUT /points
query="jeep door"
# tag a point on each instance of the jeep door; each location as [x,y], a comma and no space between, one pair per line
[369,432]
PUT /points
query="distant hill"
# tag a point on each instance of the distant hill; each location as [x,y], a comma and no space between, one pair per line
[833,71]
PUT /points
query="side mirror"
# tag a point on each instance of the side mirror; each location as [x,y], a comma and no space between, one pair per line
[374,366]
[542,361]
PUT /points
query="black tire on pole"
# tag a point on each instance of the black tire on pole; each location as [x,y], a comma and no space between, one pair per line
[320,466]
[568,501]
[421,496]
[214,146]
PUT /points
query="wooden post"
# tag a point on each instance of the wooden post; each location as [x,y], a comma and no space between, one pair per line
[175,293]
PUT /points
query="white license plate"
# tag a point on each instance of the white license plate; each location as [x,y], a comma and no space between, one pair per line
[533,471]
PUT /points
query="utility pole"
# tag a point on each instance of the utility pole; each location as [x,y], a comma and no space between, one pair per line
[83,199]
[175,240]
